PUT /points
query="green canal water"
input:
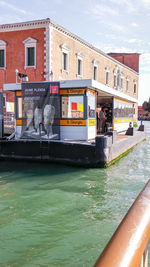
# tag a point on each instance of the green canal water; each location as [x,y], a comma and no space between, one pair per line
[55,215]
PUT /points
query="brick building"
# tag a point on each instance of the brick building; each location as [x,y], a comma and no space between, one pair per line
[45,51]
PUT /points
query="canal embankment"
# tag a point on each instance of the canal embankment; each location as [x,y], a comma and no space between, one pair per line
[100,152]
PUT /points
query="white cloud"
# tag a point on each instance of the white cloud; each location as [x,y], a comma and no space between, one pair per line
[118,38]
[9,19]
[106,15]
[58,2]
[145,59]
[145,3]
[144,88]
[112,36]
[132,41]
[145,63]
[128,5]
[13,7]
[134,24]
[138,42]
[132,6]
[116,27]
[107,48]
[101,9]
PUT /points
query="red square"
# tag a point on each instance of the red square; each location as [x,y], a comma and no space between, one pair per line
[74,106]
[54,89]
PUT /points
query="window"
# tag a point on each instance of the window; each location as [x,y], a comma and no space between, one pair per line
[31,56]
[123,110]
[2,58]
[115,80]
[80,64]
[79,72]
[121,85]
[3,54]
[118,78]
[65,61]
[30,52]
[95,69]
[134,88]
[107,78]
[65,57]
[95,73]
[115,71]
[72,106]
[107,75]
[127,84]
[19,107]
[4,100]
[121,80]
[91,105]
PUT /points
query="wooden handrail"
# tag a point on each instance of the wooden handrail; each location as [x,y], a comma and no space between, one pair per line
[128,243]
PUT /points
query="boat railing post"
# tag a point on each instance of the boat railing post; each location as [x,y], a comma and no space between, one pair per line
[133,240]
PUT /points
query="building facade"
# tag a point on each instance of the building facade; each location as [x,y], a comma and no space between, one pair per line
[45,51]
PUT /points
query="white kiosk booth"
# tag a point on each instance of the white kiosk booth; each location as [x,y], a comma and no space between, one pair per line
[66,110]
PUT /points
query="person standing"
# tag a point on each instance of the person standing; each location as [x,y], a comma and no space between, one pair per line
[97,118]
[102,119]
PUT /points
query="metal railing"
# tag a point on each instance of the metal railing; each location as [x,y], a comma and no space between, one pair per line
[9,121]
[128,245]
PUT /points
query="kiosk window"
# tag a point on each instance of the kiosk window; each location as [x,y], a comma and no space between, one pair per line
[72,107]
[91,106]
[123,110]
[19,107]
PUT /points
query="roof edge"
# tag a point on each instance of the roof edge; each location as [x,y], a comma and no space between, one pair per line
[48,21]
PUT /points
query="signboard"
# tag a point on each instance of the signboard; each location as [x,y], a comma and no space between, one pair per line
[54,89]
[91,122]
[41,111]
[73,122]
[77,91]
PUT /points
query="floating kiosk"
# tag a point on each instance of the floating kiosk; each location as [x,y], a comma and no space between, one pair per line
[57,122]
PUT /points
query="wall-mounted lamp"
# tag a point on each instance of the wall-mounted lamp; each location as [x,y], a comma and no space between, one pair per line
[23,76]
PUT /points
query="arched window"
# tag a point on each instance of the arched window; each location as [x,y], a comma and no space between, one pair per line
[134,86]
[30,52]
[80,57]
[127,83]
[95,69]
[118,78]
[65,57]
[107,75]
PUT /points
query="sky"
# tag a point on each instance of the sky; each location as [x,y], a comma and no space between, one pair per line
[110,25]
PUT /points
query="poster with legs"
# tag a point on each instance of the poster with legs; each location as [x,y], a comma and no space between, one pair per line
[41,111]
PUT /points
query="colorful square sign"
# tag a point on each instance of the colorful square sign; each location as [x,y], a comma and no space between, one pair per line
[80,107]
[74,106]
[54,89]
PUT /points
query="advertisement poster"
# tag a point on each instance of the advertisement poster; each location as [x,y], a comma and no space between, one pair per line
[41,111]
